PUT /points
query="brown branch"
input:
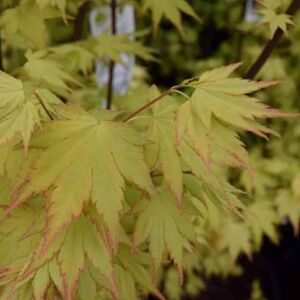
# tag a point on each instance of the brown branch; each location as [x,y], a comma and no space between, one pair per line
[266,52]
[1,56]
[113,8]
[43,105]
[152,102]
[79,20]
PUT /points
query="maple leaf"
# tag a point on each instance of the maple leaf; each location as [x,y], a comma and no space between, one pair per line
[218,106]
[295,186]
[87,288]
[60,4]
[96,250]
[236,238]
[271,4]
[86,158]
[289,206]
[161,223]
[74,57]
[126,284]
[45,71]
[275,21]
[71,259]
[226,99]
[111,46]
[134,269]
[18,110]
[264,179]
[22,227]
[163,151]
[171,9]
[208,186]
[219,144]
[40,282]
[24,292]
[263,223]
[66,263]
[15,21]
[55,274]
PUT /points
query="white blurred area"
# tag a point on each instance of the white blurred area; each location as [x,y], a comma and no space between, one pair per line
[100,21]
[251,14]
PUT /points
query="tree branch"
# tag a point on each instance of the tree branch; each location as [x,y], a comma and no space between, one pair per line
[78,27]
[152,102]
[43,106]
[113,8]
[1,56]
[266,52]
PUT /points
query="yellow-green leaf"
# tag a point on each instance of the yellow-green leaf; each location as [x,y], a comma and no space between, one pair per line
[236,238]
[60,4]
[166,229]
[40,282]
[46,71]
[163,151]
[275,21]
[71,259]
[86,159]
[16,21]
[217,109]
[18,110]
[171,9]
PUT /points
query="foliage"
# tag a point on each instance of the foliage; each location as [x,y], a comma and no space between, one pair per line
[109,204]
[273,18]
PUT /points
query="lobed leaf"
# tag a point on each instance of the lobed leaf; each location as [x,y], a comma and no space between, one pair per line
[85,160]
[171,9]
[167,230]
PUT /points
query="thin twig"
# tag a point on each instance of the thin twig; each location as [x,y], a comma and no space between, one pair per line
[1,56]
[43,105]
[79,20]
[113,8]
[152,102]
[266,52]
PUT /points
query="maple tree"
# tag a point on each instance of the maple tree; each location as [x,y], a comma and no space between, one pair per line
[98,203]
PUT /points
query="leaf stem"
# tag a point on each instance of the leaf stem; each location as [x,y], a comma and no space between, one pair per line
[113,8]
[266,52]
[1,56]
[152,102]
[43,105]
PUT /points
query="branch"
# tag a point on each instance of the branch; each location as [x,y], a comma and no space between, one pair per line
[1,56]
[266,52]
[43,105]
[152,102]
[78,28]
[113,8]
